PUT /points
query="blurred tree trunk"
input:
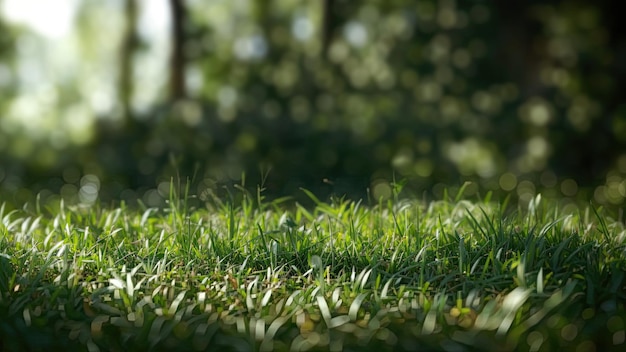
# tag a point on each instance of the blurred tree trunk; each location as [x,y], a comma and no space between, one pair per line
[128,46]
[606,83]
[616,27]
[327,26]
[115,146]
[177,57]
[520,47]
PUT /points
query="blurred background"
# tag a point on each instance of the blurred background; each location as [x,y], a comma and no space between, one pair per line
[112,99]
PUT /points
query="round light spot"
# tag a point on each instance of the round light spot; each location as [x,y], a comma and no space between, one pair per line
[302,28]
[615,324]
[227,96]
[423,167]
[548,179]
[381,190]
[586,346]
[526,188]
[569,332]
[152,198]
[447,17]
[569,187]
[535,340]
[599,194]
[508,182]
[250,48]
[619,337]
[536,111]
[537,147]
[356,34]
[588,313]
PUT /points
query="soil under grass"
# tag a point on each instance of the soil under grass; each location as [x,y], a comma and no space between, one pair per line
[398,275]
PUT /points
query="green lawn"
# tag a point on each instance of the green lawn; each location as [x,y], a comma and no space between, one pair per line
[448,275]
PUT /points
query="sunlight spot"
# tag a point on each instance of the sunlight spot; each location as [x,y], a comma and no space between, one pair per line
[338,52]
[526,191]
[68,191]
[164,189]
[189,112]
[539,115]
[537,146]
[355,33]
[446,18]
[485,102]
[439,48]
[88,193]
[508,182]
[302,28]
[227,96]
[569,187]
[152,198]
[428,91]
[536,111]
[472,156]
[423,167]
[78,122]
[600,194]
[245,142]
[381,189]
[154,20]
[403,158]
[249,48]
[50,19]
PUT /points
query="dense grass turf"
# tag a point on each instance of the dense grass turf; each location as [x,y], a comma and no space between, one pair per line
[398,275]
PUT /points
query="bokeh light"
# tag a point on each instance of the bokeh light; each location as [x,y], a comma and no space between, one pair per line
[434,92]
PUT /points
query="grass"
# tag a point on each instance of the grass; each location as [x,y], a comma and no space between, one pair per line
[397,275]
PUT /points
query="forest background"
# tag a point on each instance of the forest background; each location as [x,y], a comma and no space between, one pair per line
[108,100]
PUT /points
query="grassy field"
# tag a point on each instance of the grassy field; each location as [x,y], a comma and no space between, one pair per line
[448,275]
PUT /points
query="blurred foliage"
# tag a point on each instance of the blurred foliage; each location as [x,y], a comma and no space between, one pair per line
[335,96]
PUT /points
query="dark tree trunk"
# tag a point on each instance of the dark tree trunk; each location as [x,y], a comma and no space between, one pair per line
[327,26]
[518,48]
[177,58]
[127,50]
